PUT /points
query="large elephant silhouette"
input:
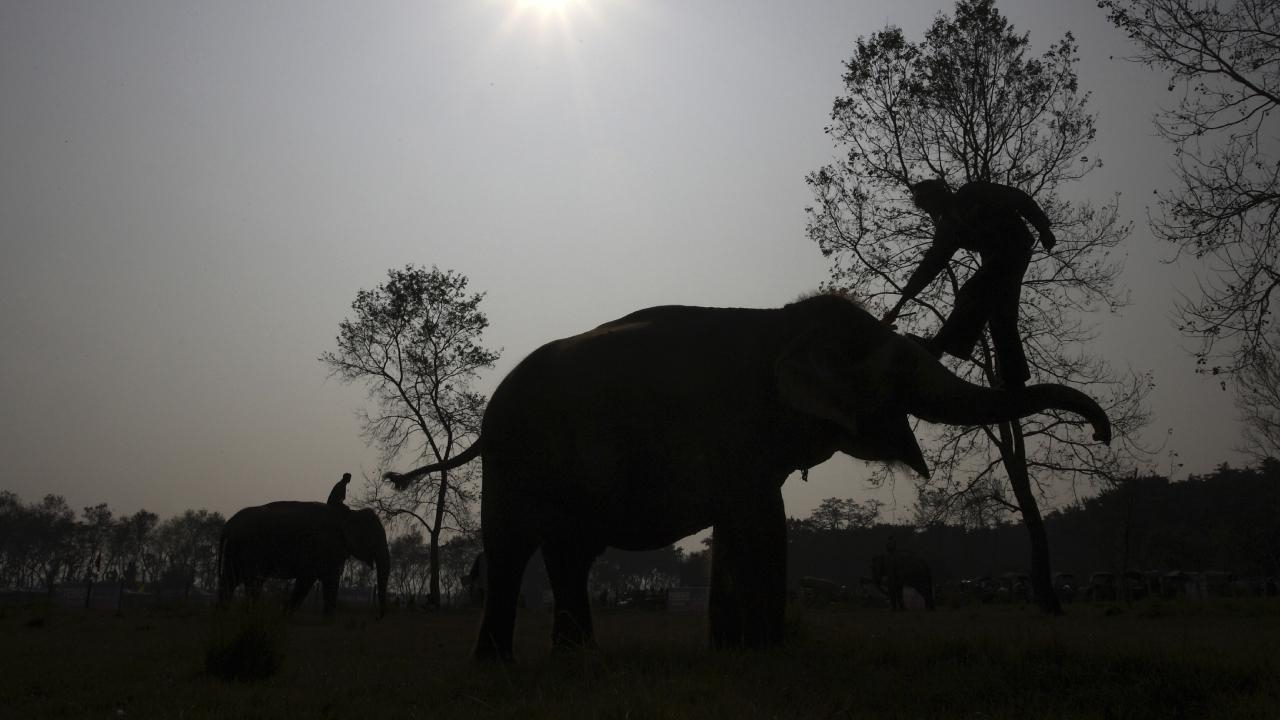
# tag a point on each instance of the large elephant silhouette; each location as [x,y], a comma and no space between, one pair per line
[307,541]
[894,571]
[672,419]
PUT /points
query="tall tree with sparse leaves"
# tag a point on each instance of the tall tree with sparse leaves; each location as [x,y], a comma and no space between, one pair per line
[1223,58]
[414,341]
[970,102]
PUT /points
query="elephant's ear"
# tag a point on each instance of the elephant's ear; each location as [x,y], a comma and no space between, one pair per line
[810,382]
[815,378]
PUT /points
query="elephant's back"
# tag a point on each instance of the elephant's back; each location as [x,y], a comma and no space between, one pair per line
[661,352]
[280,539]
[279,511]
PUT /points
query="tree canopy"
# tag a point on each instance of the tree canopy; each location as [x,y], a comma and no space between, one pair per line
[415,342]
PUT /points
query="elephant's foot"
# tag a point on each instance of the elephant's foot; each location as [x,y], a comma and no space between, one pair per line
[571,633]
[488,651]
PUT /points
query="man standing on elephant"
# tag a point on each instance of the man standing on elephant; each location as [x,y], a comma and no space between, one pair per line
[985,218]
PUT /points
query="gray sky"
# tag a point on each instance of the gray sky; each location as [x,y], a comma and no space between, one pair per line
[193,193]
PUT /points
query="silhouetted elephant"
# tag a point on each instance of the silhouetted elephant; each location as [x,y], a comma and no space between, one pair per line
[308,541]
[892,572]
[654,426]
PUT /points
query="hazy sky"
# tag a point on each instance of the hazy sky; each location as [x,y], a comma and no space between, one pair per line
[193,192]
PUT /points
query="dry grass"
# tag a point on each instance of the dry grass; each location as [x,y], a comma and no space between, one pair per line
[1159,661]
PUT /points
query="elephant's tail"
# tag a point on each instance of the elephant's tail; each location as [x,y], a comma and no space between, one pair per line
[402,480]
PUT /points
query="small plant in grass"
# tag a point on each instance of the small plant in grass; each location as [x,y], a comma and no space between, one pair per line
[245,643]
[40,613]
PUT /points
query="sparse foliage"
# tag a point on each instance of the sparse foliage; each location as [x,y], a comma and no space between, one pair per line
[843,514]
[1223,58]
[414,341]
[188,547]
[1258,400]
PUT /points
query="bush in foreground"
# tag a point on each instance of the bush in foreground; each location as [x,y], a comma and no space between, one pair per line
[245,644]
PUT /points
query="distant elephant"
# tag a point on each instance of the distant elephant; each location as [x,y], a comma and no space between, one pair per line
[894,571]
[308,541]
[672,419]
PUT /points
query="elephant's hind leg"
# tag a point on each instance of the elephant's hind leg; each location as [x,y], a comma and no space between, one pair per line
[568,564]
[505,559]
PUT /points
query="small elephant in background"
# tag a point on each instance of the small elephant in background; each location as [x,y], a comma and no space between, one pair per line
[304,541]
[892,571]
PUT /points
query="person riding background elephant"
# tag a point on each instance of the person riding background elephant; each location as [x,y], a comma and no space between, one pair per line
[894,570]
[338,495]
[666,421]
[304,541]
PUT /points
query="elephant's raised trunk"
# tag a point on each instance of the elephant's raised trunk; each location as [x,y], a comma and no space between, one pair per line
[937,395]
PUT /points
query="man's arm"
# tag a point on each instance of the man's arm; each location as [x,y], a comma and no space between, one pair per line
[933,262]
[1027,207]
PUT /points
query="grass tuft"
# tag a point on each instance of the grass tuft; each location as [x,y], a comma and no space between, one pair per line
[245,644]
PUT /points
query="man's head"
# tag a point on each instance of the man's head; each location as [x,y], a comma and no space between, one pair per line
[931,196]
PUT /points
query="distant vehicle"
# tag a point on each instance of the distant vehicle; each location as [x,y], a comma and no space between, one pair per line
[982,589]
[1219,583]
[1180,584]
[1135,585]
[1102,586]
[1064,584]
[1014,587]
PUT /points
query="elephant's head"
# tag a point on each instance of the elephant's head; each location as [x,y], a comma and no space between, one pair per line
[366,541]
[843,365]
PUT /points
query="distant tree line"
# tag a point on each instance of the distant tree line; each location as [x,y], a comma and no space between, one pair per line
[1226,520]
[46,543]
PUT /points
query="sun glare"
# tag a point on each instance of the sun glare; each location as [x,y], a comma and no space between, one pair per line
[557,16]
[546,7]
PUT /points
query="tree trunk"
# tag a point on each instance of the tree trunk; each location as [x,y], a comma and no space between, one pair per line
[1014,457]
[433,594]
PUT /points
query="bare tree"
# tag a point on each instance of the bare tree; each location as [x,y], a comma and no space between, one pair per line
[968,103]
[414,340]
[1223,56]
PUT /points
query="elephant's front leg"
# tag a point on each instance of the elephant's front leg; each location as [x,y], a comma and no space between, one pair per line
[301,586]
[329,581]
[749,574]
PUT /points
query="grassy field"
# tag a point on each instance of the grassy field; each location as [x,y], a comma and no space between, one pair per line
[1192,660]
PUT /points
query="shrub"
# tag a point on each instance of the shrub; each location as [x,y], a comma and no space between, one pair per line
[245,644]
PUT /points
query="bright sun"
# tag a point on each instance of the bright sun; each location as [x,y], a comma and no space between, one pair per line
[546,7]
[549,16]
